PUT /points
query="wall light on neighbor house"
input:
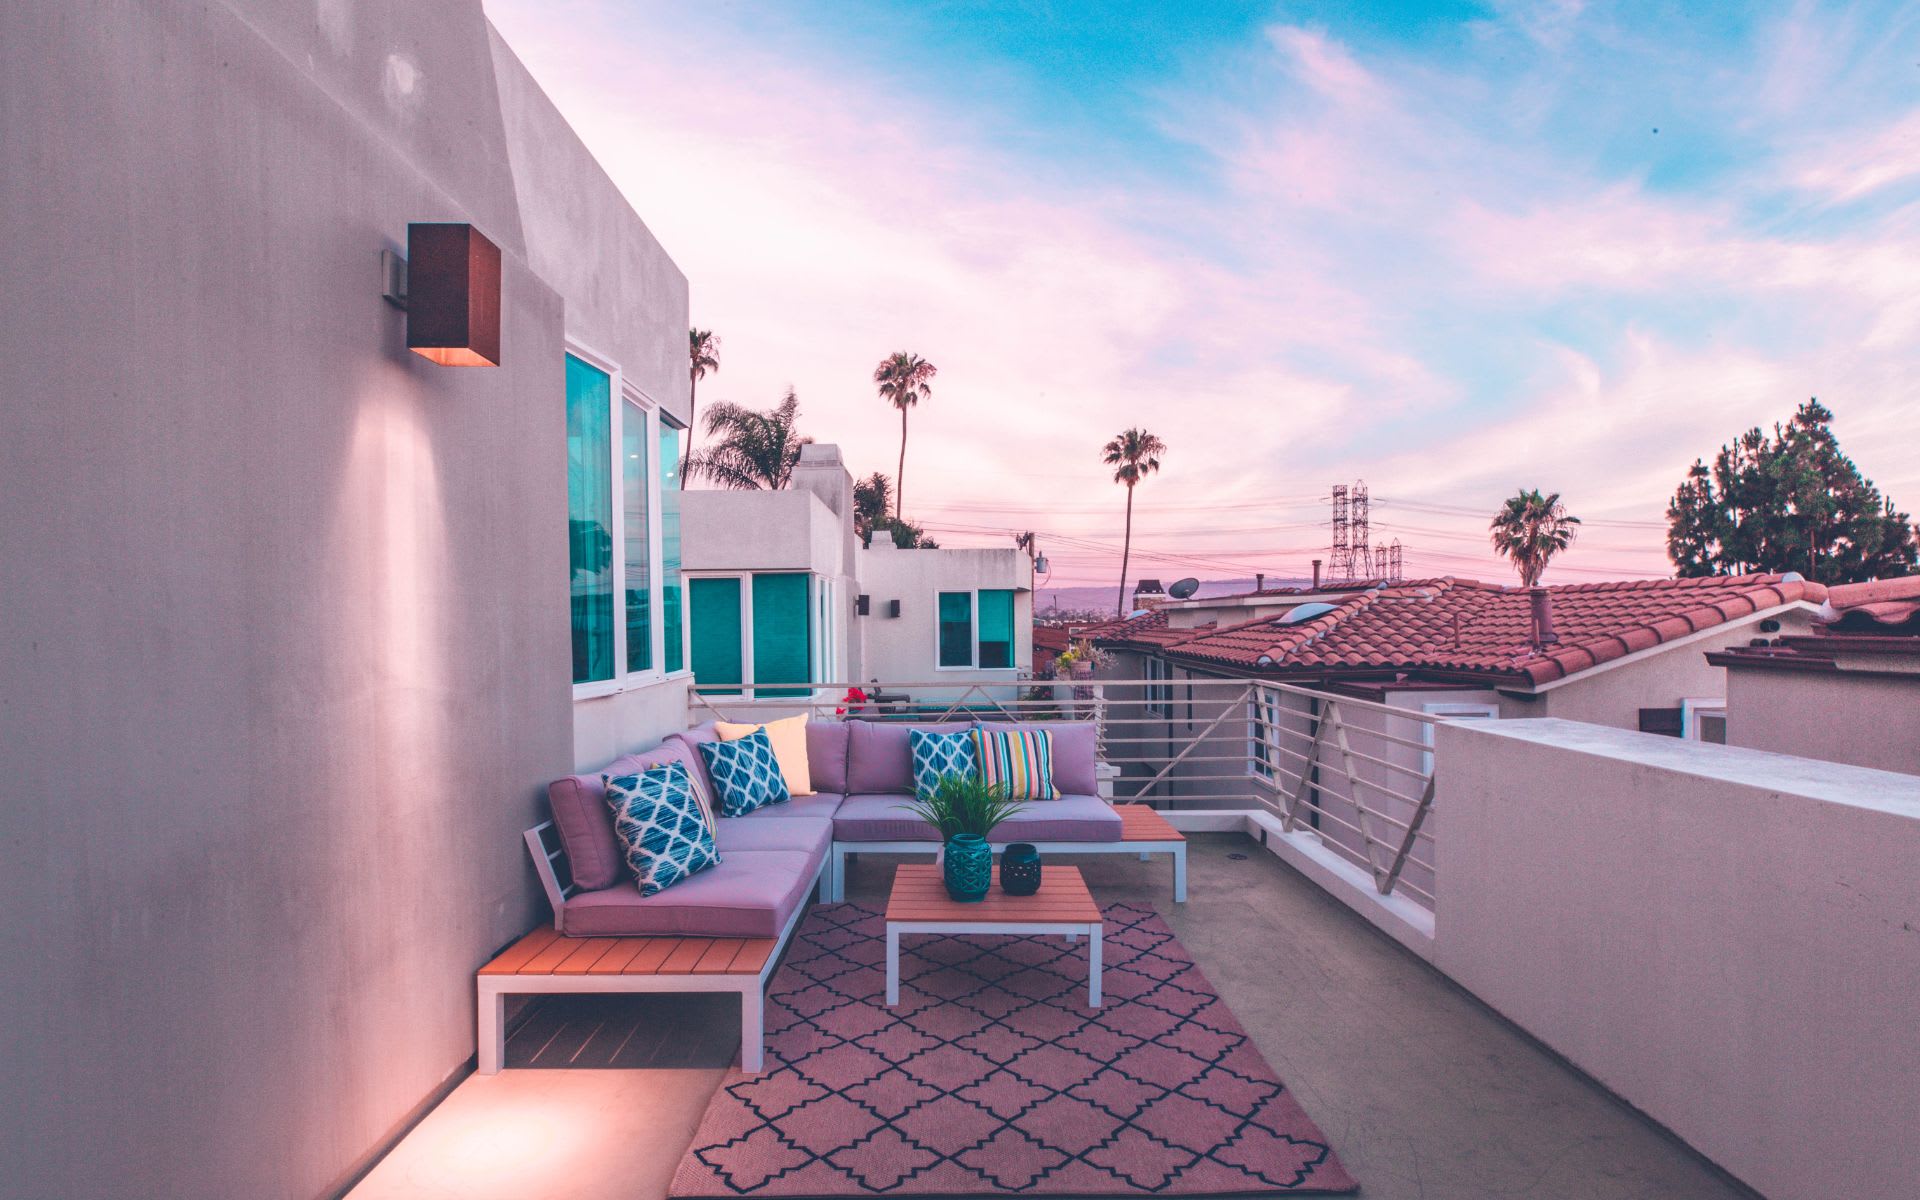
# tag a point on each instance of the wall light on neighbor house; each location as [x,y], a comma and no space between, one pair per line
[451,292]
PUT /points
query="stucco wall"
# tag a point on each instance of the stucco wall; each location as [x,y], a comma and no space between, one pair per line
[1726,938]
[759,531]
[1661,678]
[901,649]
[284,616]
[1866,720]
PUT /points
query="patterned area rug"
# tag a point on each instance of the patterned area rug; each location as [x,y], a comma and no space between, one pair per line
[993,1077]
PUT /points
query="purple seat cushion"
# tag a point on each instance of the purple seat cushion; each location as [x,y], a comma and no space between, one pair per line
[827,755]
[818,807]
[756,832]
[881,818]
[1076,752]
[751,893]
[585,823]
[879,758]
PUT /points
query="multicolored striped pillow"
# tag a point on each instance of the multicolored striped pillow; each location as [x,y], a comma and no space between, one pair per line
[1021,761]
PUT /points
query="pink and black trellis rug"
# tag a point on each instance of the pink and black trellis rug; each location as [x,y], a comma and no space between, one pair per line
[993,1077]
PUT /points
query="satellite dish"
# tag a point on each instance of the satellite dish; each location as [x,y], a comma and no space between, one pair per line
[1183,589]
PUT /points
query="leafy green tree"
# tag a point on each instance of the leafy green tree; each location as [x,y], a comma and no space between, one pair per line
[1134,454]
[1787,502]
[903,381]
[1530,529]
[755,449]
[871,498]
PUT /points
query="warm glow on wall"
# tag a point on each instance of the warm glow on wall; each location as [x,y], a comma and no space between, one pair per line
[453,295]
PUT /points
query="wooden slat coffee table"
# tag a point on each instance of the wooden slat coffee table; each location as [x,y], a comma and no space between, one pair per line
[919,903]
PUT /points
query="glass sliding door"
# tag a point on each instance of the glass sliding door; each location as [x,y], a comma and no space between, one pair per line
[718,661]
[782,643]
[635,482]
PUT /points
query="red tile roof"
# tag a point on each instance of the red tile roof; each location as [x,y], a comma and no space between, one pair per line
[1463,627]
[1880,606]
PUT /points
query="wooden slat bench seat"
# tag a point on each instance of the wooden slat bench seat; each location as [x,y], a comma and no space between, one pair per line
[547,961]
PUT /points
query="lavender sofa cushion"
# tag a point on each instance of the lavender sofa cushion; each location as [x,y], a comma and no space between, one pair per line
[750,893]
[755,832]
[1076,752]
[827,755]
[818,807]
[881,818]
[585,823]
[691,739]
[879,758]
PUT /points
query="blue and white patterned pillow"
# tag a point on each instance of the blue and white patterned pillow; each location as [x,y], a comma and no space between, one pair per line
[661,826]
[937,755]
[745,773]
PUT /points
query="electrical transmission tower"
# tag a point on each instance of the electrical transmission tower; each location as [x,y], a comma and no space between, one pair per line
[1340,561]
[1354,556]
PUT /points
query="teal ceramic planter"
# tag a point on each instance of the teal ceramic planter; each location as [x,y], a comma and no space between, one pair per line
[968,867]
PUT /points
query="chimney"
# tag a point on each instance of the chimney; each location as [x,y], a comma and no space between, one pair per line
[1259,582]
[1542,604]
[1316,574]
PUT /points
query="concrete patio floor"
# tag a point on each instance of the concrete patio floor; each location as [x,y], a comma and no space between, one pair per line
[1424,1093]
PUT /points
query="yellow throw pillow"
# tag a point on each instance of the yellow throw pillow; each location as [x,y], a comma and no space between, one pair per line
[789,738]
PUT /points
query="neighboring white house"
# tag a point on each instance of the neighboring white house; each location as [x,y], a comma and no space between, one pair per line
[782,601]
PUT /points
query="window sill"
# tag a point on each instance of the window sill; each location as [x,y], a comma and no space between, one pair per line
[640,681]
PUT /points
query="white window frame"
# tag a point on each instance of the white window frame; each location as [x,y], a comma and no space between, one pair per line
[1159,692]
[1482,709]
[748,679]
[973,629]
[1693,709]
[621,392]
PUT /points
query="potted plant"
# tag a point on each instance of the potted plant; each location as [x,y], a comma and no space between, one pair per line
[965,810]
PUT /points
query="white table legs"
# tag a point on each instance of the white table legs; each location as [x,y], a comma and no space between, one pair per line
[1070,932]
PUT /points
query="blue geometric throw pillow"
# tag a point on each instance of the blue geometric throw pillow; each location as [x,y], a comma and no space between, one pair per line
[937,755]
[659,821]
[745,773]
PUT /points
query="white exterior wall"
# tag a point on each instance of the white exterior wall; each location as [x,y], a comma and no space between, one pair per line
[904,649]
[284,621]
[1869,720]
[1728,939]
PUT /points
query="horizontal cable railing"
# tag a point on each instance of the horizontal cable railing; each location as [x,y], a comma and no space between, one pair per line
[1355,774]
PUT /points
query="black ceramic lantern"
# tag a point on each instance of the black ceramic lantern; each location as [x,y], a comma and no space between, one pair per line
[1020,869]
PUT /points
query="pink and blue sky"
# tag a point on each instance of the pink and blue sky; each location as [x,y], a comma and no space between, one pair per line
[1449,249]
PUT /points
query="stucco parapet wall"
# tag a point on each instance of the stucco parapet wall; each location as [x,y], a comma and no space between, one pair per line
[758,531]
[1833,783]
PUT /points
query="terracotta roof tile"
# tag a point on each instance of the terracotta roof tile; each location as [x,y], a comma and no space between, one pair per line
[1469,627]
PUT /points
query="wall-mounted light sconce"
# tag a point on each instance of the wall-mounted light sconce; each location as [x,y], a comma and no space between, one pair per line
[893,608]
[862,605]
[449,285]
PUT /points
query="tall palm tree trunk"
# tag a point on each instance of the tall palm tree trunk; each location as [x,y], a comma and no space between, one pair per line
[686,456]
[900,472]
[1126,551]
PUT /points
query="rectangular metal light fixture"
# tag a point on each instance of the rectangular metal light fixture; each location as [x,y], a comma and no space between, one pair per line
[453,295]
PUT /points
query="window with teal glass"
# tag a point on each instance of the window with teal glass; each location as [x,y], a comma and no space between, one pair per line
[996,627]
[714,607]
[670,584]
[956,629]
[637,535]
[590,519]
[782,645]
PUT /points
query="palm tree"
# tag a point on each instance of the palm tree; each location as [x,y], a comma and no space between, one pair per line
[1135,454]
[902,380]
[756,449]
[1529,530]
[703,352]
[871,497]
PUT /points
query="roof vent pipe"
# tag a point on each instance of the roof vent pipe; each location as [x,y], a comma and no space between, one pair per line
[1316,574]
[1542,604]
[1259,582]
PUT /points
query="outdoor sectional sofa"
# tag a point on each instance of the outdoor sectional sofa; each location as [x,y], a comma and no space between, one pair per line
[722,929]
